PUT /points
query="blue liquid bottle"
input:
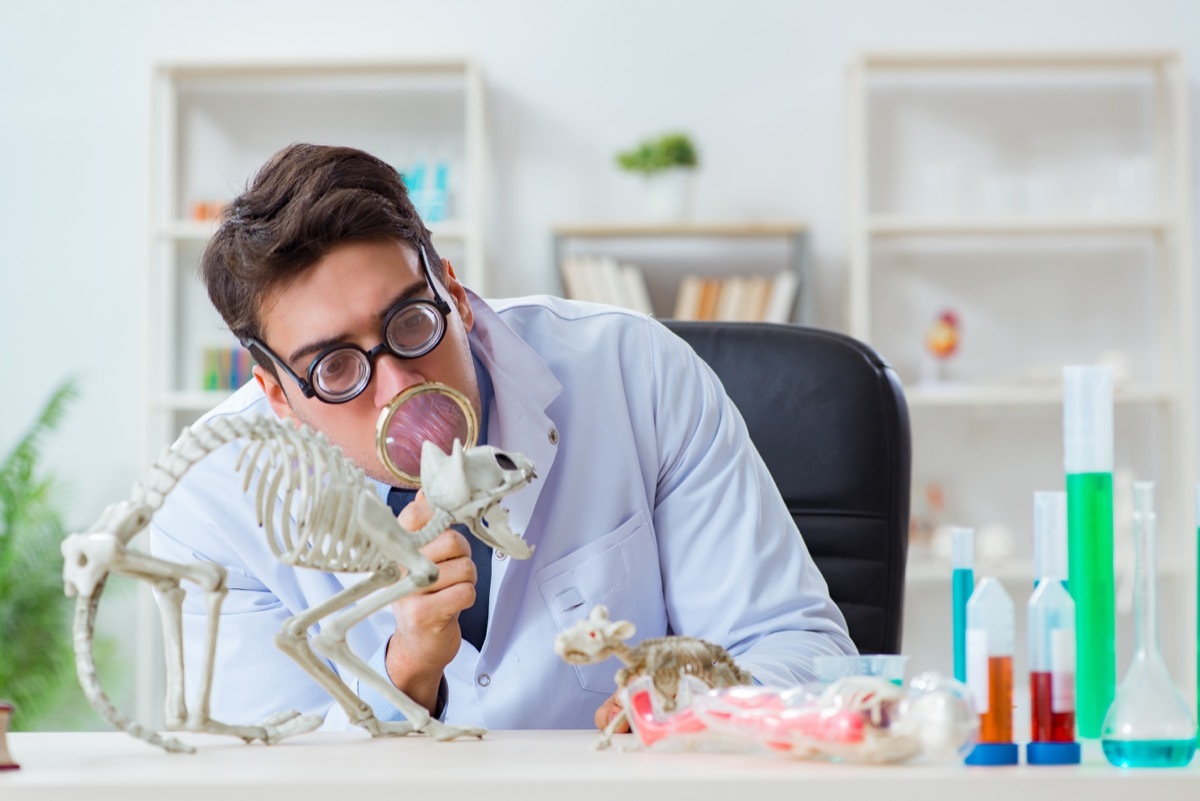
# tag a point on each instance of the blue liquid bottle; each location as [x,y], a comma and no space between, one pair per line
[1148,724]
[962,583]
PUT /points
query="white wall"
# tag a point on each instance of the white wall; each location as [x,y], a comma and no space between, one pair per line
[758,83]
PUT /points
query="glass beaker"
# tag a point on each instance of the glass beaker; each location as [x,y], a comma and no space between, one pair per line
[1148,724]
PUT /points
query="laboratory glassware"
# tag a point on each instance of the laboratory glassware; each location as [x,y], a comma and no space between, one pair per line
[1148,725]
[989,672]
[962,582]
[1088,460]
[1051,640]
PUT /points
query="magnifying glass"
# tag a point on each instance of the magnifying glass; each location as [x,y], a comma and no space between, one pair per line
[433,412]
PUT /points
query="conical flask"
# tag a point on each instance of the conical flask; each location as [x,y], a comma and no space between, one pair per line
[1148,724]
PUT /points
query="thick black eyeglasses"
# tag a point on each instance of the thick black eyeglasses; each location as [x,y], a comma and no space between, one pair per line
[412,328]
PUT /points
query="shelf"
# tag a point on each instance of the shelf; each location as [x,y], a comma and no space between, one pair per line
[984,395]
[936,571]
[794,234]
[201,230]
[698,230]
[242,71]
[1020,226]
[1018,60]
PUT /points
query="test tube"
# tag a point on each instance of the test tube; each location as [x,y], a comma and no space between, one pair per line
[1088,461]
[1051,639]
[989,672]
[962,583]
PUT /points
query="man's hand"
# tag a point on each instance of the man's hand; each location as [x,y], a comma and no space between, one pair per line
[427,633]
[609,710]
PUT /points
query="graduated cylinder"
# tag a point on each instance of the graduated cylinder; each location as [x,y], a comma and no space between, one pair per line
[1088,461]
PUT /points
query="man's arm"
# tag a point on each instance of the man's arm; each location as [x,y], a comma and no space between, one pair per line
[736,571]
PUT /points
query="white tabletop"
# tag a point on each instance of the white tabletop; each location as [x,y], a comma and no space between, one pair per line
[525,765]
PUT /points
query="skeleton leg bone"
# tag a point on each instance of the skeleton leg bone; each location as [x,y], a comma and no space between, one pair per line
[166,577]
[606,736]
[332,643]
[293,640]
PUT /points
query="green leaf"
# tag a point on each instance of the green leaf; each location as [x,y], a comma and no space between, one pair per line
[36,657]
[653,155]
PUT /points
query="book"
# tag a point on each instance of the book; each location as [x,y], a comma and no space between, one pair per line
[710,291]
[607,275]
[687,298]
[576,285]
[729,299]
[758,292]
[782,297]
[636,294]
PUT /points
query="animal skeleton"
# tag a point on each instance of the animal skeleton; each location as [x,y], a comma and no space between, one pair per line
[318,510]
[665,660]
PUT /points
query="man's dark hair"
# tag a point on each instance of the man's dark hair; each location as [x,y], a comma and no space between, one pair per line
[304,201]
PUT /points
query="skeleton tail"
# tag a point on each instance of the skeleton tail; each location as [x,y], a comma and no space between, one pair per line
[85,666]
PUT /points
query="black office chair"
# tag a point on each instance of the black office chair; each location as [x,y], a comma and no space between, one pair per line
[829,418]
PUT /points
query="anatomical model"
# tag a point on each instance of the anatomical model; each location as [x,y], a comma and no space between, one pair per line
[318,510]
[664,660]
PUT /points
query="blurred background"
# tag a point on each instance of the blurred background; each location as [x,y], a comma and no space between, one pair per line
[985,191]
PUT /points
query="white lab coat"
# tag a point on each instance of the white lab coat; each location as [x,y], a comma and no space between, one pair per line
[649,498]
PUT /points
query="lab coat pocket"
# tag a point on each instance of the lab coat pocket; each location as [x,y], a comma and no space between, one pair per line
[620,570]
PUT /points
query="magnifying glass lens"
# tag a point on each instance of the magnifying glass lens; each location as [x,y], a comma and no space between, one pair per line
[409,422]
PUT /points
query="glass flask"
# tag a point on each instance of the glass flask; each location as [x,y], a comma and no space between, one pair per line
[1148,724]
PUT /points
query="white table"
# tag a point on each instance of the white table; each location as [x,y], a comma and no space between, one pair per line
[527,766]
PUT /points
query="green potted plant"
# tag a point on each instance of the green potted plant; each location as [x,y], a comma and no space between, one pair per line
[37,664]
[667,163]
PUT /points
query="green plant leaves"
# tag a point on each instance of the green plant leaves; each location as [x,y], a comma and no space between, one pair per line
[36,661]
[660,153]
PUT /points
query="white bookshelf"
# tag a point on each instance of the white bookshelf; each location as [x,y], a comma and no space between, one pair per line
[214,125]
[666,253]
[1011,185]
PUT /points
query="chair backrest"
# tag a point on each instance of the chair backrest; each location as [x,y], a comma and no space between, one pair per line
[828,416]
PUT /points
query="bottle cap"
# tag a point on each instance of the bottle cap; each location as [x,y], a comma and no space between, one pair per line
[1049,535]
[1052,753]
[1087,419]
[994,754]
[962,548]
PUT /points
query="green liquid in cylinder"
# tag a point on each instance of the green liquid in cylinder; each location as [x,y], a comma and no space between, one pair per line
[1149,753]
[1090,563]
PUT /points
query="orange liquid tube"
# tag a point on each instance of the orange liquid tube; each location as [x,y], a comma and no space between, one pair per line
[989,673]
[995,725]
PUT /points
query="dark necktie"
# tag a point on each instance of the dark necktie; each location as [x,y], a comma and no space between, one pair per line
[473,621]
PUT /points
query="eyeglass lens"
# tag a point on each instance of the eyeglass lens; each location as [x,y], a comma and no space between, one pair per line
[411,331]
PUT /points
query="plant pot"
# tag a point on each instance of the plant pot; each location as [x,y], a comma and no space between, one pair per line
[667,194]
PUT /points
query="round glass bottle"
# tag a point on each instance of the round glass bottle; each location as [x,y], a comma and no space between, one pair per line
[1148,724]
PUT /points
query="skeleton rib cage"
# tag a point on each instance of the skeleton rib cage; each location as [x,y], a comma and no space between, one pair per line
[319,511]
[304,528]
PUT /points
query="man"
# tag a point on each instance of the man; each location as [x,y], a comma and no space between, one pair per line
[649,497]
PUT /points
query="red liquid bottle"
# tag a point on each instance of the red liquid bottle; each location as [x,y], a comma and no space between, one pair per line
[1051,640]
